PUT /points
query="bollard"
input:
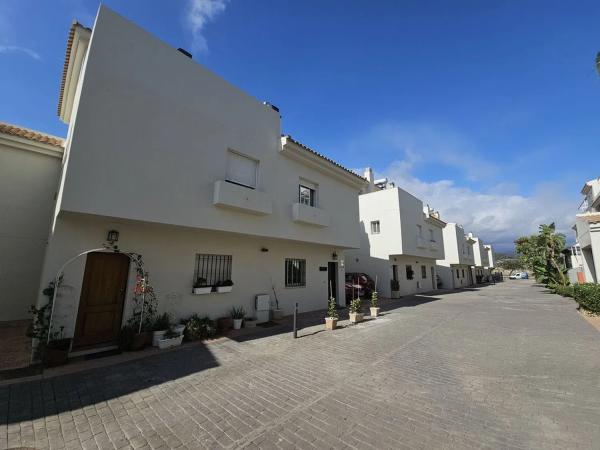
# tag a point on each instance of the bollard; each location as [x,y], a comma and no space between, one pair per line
[295,316]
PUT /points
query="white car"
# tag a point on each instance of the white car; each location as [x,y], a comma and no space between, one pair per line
[519,276]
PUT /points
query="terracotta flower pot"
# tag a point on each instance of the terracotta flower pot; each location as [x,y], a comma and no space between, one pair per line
[330,323]
[374,311]
[356,317]
[57,352]
[224,323]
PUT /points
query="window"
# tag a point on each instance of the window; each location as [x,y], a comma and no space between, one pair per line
[431,237]
[375,228]
[212,269]
[307,196]
[419,231]
[295,272]
[457,273]
[241,169]
[463,273]
[409,272]
[423,272]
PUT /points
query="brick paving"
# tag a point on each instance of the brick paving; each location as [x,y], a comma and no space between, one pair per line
[501,367]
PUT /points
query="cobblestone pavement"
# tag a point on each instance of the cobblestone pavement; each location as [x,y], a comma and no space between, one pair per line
[505,366]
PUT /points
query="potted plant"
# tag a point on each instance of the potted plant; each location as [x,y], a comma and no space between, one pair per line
[355,310]
[161,325]
[374,302]
[197,328]
[237,314]
[57,350]
[224,286]
[250,322]
[202,287]
[332,314]
[170,339]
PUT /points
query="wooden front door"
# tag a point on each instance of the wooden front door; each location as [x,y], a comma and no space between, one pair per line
[102,298]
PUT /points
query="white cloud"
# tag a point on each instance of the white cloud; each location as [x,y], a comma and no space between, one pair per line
[498,212]
[199,13]
[8,32]
[16,48]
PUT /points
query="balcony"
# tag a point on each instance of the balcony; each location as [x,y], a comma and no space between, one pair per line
[241,198]
[309,215]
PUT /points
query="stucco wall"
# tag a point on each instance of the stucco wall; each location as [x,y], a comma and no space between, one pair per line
[169,256]
[166,127]
[28,182]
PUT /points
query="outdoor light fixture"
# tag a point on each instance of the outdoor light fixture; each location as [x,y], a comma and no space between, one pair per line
[334,256]
[113,236]
[264,249]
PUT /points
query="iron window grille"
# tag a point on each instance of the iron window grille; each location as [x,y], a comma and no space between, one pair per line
[409,272]
[423,272]
[295,272]
[213,269]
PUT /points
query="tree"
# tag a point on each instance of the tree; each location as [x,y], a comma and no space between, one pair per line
[511,264]
[541,253]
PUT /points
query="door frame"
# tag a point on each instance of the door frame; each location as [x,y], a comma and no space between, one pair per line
[81,307]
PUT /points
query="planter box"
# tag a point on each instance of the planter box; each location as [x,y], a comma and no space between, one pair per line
[330,323]
[56,352]
[237,324]
[395,294]
[202,290]
[179,328]
[223,289]
[356,317]
[277,314]
[374,311]
[250,323]
[171,342]
[157,336]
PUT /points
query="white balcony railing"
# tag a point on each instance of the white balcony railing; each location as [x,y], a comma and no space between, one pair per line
[241,198]
[309,215]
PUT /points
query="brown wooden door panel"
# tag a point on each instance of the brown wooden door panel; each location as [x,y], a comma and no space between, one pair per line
[102,298]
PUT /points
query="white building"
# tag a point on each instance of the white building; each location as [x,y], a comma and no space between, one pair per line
[400,240]
[29,172]
[194,175]
[490,258]
[481,257]
[455,269]
[587,234]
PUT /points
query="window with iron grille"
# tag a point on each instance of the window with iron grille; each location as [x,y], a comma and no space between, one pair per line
[295,272]
[212,269]
[423,272]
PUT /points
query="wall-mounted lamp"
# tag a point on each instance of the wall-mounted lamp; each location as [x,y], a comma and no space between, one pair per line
[334,256]
[112,236]
[264,249]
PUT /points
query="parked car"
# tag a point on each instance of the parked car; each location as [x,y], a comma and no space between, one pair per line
[359,284]
[519,276]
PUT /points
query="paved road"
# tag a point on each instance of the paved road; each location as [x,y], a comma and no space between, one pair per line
[505,366]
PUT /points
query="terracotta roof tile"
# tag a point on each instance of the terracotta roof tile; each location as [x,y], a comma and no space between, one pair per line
[70,38]
[287,136]
[13,130]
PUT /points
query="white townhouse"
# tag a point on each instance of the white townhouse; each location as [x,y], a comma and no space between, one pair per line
[490,258]
[481,257]
[400,240]
[586,251]
[165,159]
[455,269]
[29,170]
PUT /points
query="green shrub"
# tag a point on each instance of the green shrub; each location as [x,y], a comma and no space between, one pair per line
[197,327]
[588,296]
[565,291]
[332,308]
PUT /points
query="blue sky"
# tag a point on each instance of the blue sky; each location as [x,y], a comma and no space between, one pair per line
[488,110]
